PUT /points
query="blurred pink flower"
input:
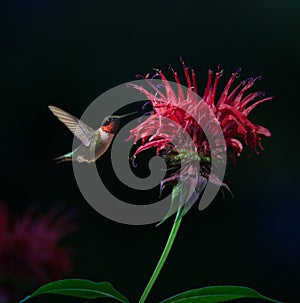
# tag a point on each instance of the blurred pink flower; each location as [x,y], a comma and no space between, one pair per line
[30,250]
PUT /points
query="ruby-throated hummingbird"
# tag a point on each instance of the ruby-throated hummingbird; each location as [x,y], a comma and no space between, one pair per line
[94,142]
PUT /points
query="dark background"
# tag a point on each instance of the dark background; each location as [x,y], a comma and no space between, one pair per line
[66,53]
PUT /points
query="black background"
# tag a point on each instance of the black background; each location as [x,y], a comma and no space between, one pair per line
[66,53]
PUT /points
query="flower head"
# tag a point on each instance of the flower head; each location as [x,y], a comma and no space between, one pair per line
[30,247]
[230,112]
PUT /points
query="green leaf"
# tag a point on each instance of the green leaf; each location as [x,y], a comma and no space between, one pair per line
[175,203]
[215,294]
[79,288]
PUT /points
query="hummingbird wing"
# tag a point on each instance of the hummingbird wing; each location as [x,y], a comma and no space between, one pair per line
[83,132]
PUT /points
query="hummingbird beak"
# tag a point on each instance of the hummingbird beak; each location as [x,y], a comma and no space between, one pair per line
[126,115]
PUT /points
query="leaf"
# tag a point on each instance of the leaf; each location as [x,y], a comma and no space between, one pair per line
[79,288]
[184,195]
[215,294]
[175,203]
[199,186]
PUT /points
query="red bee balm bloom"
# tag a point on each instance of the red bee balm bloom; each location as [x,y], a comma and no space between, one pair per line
[230,111]
[30,251]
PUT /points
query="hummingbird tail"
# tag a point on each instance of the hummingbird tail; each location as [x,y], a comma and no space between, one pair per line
[62,159]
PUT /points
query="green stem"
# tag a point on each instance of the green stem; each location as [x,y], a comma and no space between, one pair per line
[163,257]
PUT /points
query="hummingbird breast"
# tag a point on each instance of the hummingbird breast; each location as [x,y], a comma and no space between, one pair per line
[102,143]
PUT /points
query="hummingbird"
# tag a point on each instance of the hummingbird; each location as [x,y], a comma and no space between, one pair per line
[94,142]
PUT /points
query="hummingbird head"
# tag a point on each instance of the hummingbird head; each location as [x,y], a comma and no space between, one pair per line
[110,124]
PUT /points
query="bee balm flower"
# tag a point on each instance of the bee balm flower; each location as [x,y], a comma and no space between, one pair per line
[231,112]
